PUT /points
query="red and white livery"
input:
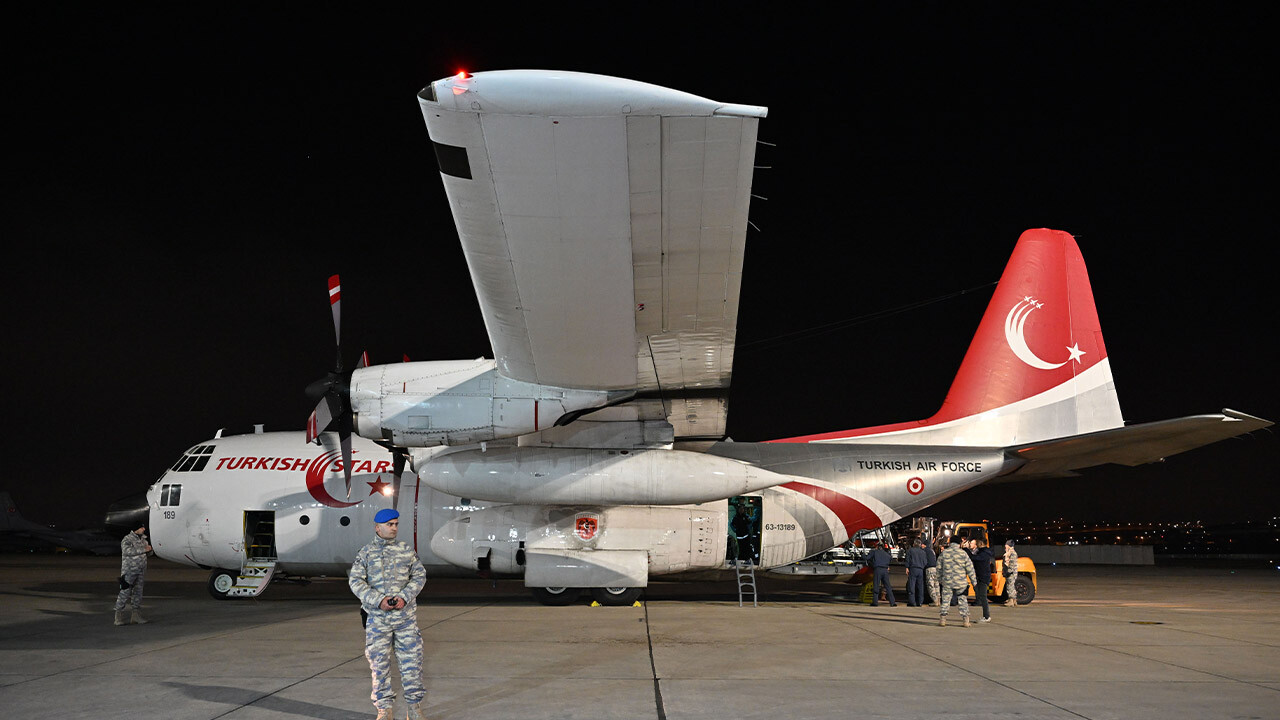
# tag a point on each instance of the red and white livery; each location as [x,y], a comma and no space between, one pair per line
[604,224]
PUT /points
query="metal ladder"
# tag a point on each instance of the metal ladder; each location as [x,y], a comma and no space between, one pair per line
[746,580]
[254,577]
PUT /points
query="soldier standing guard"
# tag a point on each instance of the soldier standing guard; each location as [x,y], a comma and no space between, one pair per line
[1010,572]
[387,577]
[133,567]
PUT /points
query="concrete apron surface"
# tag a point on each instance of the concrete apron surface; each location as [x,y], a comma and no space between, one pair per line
[1098,642]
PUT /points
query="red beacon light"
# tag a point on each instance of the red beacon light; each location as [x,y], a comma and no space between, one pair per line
[461,85]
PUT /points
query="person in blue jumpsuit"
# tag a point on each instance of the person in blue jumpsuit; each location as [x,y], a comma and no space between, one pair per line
[880,560]
[917,559]
[387,577]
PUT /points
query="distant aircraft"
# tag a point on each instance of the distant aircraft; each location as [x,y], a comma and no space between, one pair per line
[17,531]
[604,223]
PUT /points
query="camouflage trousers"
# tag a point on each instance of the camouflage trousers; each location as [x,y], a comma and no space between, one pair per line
[931,583]
[1011,587]
[406,643]
[962,600]
[132,595]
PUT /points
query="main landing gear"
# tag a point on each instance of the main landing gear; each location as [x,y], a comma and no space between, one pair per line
[614,596]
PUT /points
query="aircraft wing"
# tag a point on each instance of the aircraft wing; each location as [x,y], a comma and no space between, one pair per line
[603,223]
[1131,445]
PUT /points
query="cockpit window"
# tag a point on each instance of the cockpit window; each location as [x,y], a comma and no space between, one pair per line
[194,459]
[170,495]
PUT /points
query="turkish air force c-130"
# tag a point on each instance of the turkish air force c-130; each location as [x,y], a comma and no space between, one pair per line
[604,225]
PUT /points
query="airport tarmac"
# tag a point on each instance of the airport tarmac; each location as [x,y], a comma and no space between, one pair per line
[1098,642]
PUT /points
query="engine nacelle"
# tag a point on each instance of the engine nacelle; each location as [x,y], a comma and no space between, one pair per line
[510,539]
[423,404]
[590,476]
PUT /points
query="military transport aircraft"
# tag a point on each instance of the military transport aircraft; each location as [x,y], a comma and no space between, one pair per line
[18,532]
[604,224]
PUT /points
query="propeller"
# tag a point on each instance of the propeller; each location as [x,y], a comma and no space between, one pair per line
[332,393]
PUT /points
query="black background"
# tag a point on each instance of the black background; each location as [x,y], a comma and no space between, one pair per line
[181,182]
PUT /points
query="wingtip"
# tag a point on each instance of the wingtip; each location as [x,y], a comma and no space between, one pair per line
[1237,416]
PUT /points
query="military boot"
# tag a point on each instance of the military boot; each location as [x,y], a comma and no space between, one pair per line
[942,621]
[120,618]
[966,621]
[415,712]
[385,714]
[137,618]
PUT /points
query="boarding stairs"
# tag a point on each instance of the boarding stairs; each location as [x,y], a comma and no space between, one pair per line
[255,576]
[746,580]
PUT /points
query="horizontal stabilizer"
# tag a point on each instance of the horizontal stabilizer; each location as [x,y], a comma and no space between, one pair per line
[1132,445]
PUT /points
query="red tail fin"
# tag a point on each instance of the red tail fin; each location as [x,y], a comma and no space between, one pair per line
[1037,367]
[1040,331]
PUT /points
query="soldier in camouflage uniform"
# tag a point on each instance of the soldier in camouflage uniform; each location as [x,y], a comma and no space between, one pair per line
[133,567]
[955,573]
[931,574]
[1010,572]
[387,577]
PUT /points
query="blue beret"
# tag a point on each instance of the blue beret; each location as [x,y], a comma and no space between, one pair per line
[386,515]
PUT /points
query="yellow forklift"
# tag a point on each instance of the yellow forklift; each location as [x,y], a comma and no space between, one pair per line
[962,531]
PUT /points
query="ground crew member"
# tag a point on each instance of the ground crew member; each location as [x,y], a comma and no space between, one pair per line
[983,563]
[880,560]
[387,577]
[931,574]
[916,560]
[1010,572]
[133,568]
[955,574]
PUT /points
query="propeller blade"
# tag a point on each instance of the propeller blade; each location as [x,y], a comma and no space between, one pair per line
[319,420]
[335,305]
[364,360]
[345,439]
[397,462]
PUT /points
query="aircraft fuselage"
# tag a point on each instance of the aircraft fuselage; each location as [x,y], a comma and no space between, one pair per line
[276,492]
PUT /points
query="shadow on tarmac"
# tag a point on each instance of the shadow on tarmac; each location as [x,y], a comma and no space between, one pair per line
[239,697]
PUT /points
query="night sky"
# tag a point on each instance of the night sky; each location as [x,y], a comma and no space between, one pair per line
[181,182]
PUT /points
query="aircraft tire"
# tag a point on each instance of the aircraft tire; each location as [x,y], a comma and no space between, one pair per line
[1026,590]
[616,596]
[555,596]
[220,583]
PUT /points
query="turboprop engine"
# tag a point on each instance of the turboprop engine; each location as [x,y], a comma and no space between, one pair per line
[573,476]
[457,402]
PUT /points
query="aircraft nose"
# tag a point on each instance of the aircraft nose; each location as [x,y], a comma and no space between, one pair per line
[128,514]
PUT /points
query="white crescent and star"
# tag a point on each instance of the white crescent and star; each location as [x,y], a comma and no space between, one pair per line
[1014,324]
